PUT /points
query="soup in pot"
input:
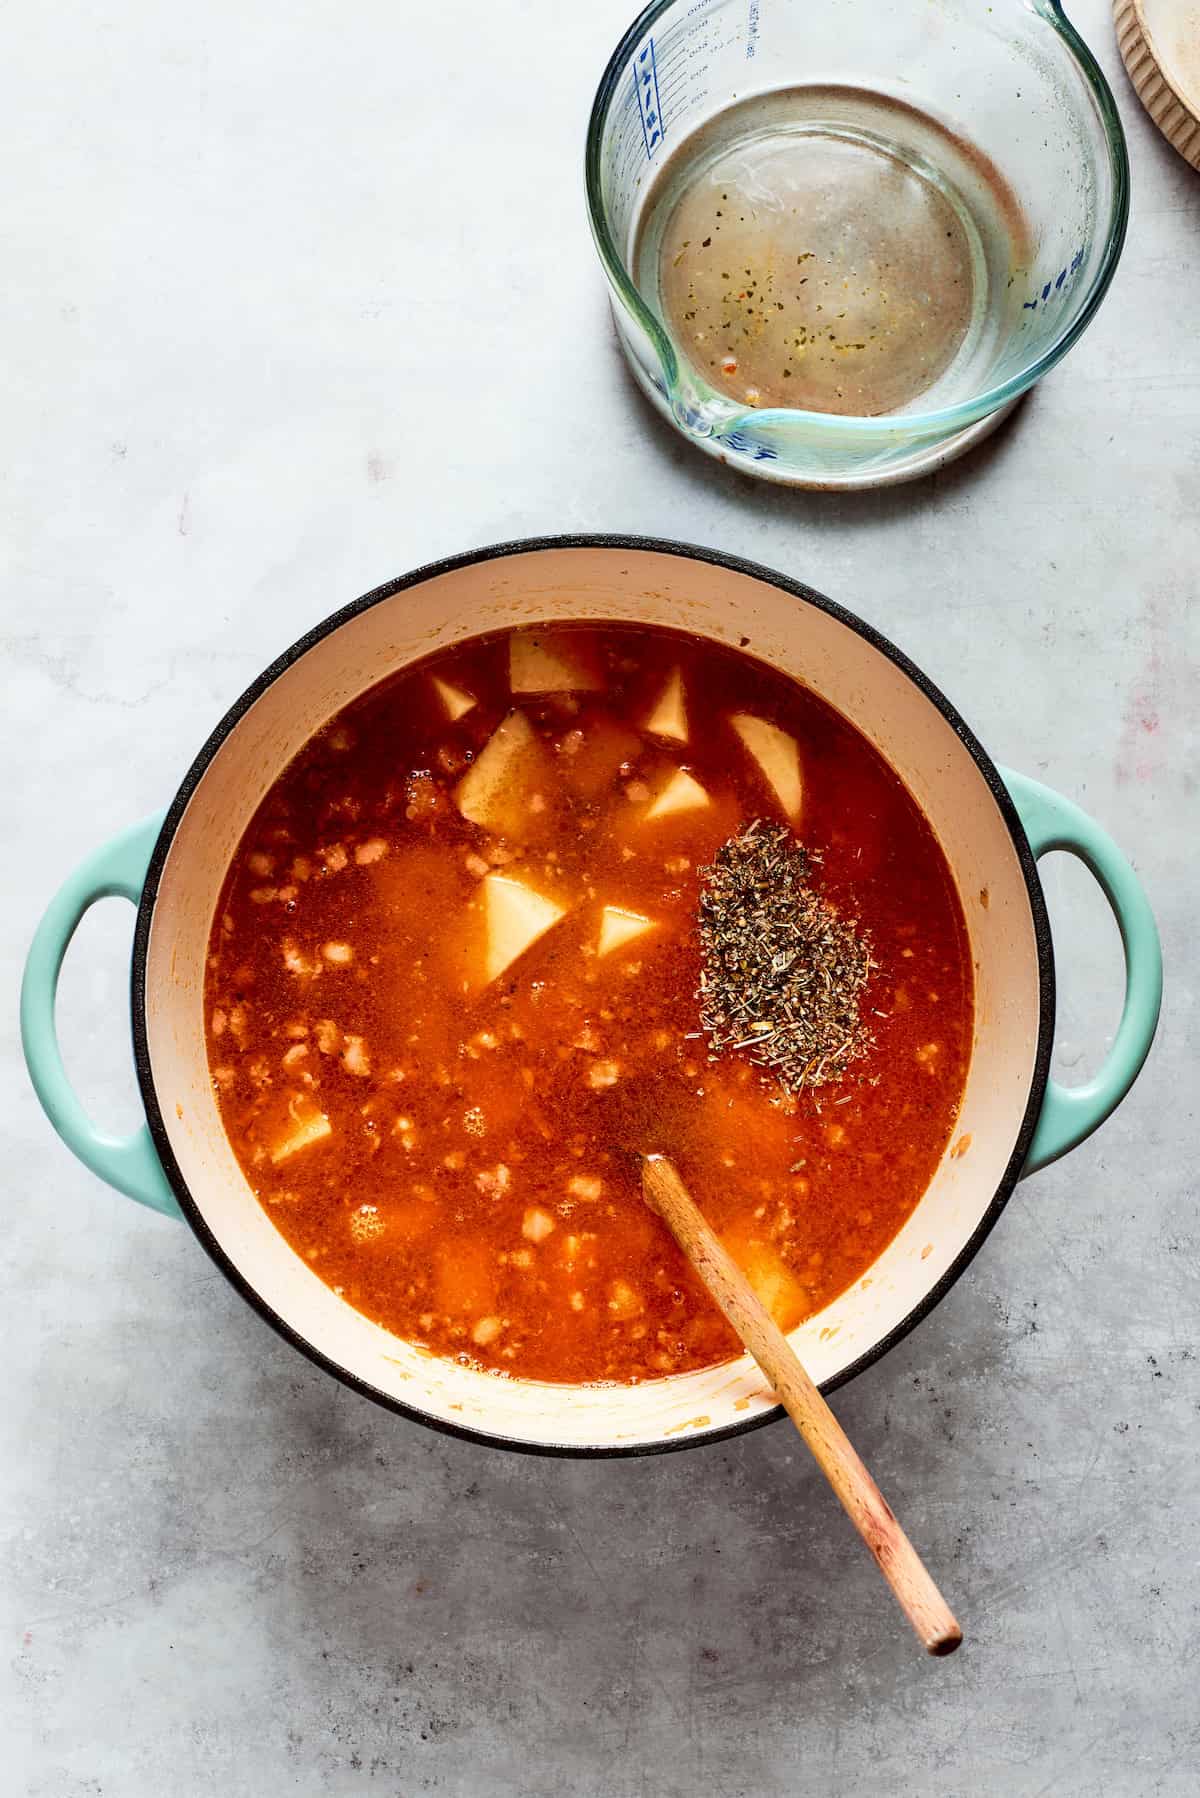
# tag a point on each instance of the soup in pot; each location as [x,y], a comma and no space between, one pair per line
[461,973]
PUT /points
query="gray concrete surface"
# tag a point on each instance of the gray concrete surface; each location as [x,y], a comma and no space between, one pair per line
[293,299]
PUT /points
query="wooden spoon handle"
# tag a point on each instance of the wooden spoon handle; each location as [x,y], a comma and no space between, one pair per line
[865,1504]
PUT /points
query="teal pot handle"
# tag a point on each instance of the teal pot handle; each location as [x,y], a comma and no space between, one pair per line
[130,1163]
[1071,1113]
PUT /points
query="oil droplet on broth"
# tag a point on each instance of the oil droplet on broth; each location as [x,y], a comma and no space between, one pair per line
[805,265]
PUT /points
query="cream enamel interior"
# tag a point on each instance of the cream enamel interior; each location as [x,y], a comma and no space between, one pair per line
[713,601]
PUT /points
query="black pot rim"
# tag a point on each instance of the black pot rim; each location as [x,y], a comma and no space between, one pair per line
[686,552]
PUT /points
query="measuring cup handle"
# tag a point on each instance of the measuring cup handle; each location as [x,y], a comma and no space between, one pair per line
[130,1163]
[1071,1113]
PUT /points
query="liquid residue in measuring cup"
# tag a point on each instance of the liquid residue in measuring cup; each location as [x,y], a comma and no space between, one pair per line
[832,250]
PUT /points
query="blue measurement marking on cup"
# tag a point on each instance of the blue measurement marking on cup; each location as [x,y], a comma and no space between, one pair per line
[746,446]
[645,81]
[1054,286]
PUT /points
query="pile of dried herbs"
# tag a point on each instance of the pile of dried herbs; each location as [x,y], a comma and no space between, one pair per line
[782,973]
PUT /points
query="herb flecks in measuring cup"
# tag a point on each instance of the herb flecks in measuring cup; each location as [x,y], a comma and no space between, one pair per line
[782,974]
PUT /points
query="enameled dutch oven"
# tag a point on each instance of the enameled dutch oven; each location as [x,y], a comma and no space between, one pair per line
[992,825]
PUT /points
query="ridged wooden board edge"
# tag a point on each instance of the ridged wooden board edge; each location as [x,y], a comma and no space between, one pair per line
[1152,84]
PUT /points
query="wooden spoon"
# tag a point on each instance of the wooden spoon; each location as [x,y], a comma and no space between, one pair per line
[864,1503]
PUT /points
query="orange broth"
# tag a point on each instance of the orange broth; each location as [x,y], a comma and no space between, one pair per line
[435,1037]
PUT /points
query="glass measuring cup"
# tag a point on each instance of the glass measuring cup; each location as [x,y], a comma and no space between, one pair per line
[1010,86]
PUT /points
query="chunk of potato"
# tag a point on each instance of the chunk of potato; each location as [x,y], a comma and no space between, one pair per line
[307,1126]
[536,665]
[509,772]
[669,716]
[515,916]
[618,927]
[778,757]
[456,702]
[624,1301]
[682,793]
